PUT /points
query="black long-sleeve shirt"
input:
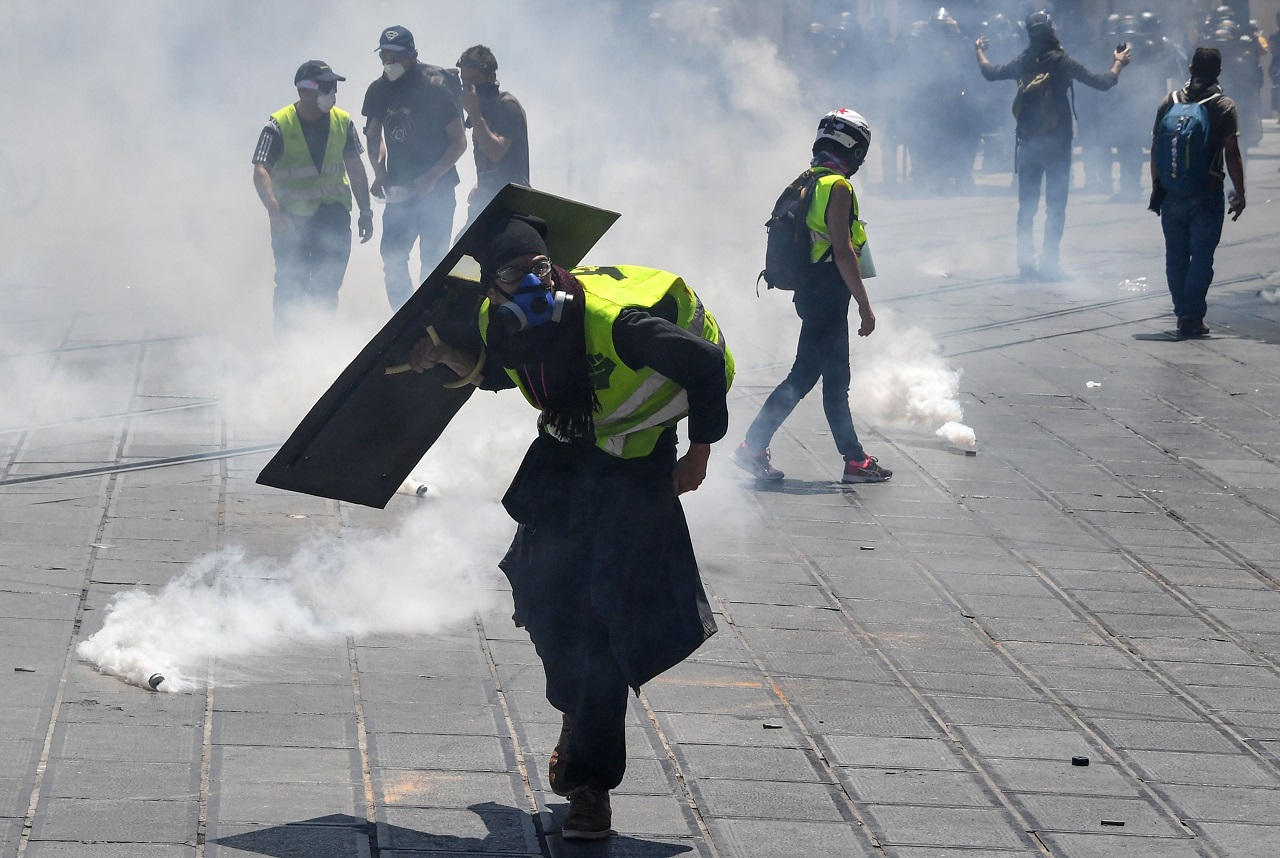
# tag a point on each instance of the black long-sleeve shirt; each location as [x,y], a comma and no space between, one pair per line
[651,338]
[1062,70]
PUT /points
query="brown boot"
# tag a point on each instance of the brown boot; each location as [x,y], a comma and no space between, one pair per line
[589,817]
[560,759]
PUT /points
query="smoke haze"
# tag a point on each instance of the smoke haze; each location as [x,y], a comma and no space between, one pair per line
[128,202]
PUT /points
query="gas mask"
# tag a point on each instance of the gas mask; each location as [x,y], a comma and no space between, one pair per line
[394,71]
[532,304]
[326,100]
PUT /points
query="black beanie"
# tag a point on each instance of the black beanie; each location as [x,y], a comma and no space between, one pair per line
[518,236]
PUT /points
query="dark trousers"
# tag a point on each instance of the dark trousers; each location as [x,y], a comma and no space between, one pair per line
[1047,160]
[822,352]
[585,682]
[604,578]
[311,260]
[426,219]
[1192,227]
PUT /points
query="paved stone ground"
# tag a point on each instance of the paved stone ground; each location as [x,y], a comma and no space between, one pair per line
[902,670]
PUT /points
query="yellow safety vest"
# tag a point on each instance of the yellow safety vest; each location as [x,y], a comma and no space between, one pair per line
[636,406]
[299,186]
[820,240]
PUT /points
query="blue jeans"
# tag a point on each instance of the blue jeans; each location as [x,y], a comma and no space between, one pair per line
[1049,160]
[823,352]
[1192,227]
[428,220]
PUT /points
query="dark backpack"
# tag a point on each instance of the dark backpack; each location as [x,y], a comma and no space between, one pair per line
[786,252]
[450,79]
[1181,146]
[1034,108]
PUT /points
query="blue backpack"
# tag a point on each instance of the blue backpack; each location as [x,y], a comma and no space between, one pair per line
[1182,146]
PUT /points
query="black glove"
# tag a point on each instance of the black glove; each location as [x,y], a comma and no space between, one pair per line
[364,225]
[1157,199]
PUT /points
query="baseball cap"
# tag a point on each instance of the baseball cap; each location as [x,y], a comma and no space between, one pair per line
[396,38]
[317,71]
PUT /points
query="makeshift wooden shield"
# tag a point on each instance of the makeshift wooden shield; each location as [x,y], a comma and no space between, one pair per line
[361,439]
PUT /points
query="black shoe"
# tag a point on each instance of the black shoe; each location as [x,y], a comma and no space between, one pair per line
[1193,328]
[1028,273]
[590,817]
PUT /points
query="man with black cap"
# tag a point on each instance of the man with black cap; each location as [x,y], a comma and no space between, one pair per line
[411,112]
[602,568]
[499,130]
[1187,183]
[306,167]
[1043,133]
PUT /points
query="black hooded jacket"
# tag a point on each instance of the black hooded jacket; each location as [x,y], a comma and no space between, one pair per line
[1062,70]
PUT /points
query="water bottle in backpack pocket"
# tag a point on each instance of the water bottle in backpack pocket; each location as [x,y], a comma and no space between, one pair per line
[1181,146]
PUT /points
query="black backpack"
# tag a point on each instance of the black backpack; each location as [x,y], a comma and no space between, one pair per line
[1034,109]
[450,79]
[786,253]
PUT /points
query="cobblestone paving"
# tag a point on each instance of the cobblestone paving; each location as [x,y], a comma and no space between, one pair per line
[902,670]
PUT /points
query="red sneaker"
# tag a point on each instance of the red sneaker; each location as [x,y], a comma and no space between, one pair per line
[867,471]
[756,463]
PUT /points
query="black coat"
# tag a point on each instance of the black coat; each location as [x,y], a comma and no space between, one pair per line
[609,536]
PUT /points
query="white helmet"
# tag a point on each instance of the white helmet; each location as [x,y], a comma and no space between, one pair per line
[849,129]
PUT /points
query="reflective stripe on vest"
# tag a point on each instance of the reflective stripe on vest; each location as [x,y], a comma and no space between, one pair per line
[819,240]
[299,186]
[636,406]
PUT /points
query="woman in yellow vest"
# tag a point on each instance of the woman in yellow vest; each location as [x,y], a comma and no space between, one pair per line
[822,302]
[602,568]
[306,167]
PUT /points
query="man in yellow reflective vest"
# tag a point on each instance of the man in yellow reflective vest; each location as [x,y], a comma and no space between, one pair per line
[602,568]
[306,168]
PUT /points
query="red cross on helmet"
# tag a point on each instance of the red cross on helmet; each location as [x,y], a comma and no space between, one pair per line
[848,129]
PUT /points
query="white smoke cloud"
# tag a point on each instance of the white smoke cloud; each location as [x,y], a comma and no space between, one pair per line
[139,201]
[901,378]
[435,570]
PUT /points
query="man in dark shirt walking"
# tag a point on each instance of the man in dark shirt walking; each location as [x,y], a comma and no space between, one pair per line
[499,130]
[1044,73]
[421,127]
[1192,220]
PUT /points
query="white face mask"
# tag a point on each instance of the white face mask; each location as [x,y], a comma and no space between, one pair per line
[326,100]
[394,71]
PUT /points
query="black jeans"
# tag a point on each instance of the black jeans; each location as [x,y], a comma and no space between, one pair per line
[311,260]
[1049,160]
[822,352]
